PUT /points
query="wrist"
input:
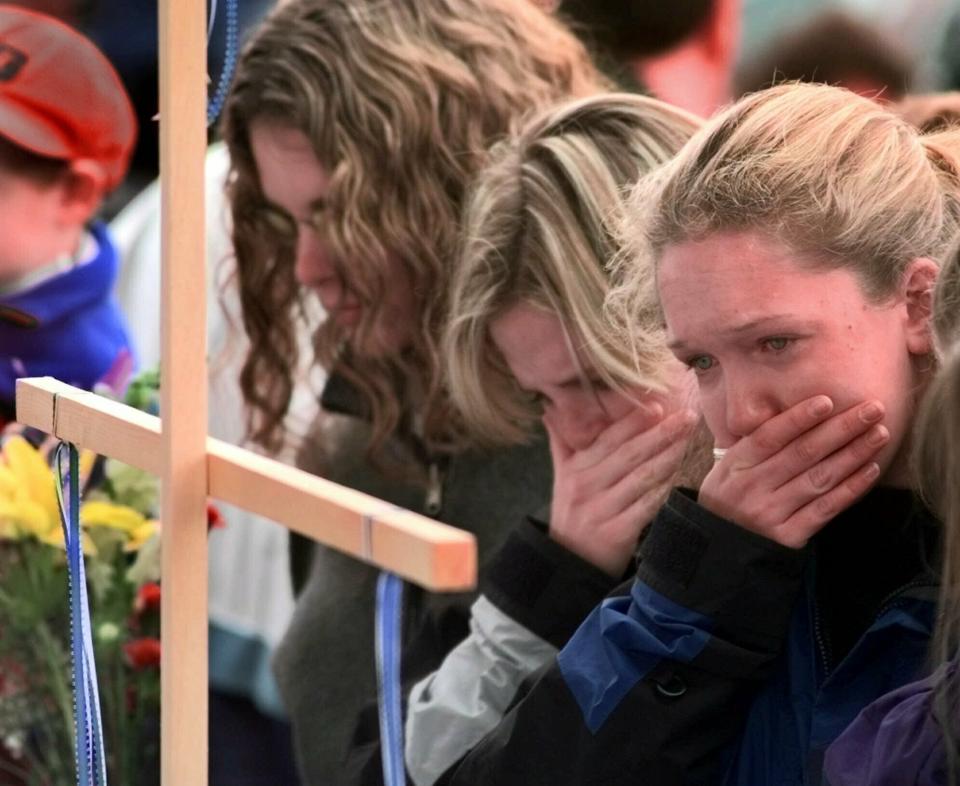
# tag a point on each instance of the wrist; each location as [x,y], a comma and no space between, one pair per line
[612,561]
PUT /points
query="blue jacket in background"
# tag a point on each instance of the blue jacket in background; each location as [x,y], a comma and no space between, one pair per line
[68,326]
[896,741]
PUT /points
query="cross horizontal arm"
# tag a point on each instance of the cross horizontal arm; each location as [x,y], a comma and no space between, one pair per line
[428,553]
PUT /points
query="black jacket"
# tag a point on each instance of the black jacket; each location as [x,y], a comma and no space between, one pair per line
[716,664]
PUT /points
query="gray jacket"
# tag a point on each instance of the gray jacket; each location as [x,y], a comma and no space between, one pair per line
[325,662]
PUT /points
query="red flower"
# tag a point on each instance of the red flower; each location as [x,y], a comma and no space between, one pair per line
[214,519]
[142,653]
[148,598]
[13,679]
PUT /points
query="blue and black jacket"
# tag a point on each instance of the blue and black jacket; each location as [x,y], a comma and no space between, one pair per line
[67,326]
[730,659]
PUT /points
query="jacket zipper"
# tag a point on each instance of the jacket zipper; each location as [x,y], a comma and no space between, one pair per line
[823,645]
[434,500]
[894,598]
[889,602]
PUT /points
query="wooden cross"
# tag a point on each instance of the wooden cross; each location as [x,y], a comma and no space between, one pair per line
[193,466]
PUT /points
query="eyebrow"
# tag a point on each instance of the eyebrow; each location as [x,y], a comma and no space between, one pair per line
[756,324]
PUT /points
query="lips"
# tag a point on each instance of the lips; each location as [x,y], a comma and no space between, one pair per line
[345,316]
[343,313]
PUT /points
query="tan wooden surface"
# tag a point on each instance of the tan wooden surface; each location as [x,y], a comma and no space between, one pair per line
[433,555]
[91,421]
[183,140]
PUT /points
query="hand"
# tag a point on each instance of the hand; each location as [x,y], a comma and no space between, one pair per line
[605,494]
[792,475]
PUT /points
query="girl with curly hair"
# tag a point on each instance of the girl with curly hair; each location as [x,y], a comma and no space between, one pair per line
[354,128]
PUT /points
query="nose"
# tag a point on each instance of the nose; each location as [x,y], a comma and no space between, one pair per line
[577,419]
[313,266]
[748,405]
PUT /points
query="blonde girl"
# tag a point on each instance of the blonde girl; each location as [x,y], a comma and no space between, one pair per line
[528,340]
[527,344]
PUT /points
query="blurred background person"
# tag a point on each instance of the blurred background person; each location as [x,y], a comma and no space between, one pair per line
[681,52]
[837,48]
[931,111]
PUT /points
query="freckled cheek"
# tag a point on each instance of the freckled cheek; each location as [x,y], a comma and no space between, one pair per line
[613,406]
[579,419]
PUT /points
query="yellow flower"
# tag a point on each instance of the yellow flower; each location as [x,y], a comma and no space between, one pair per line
[28,497]
[142,534]
[21,517]
[134,525]
[98,513]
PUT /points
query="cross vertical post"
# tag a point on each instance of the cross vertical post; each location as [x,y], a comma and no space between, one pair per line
[183,97]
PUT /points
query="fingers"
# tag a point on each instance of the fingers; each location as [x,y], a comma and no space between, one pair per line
[841,432]
[806,522]
[618,432]
[833,469]
[639,515]
[676,427]
[798,489]
[611,547]
[596,476]
[646,452]
[599,511]
[651,474]
[778,432]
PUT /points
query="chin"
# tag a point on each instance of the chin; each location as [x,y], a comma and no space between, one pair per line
[376,346]
[894,464]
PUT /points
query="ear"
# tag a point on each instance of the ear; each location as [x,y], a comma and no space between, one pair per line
[917,285]
[82,191]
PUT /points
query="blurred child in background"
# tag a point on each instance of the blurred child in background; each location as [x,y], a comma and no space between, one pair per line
[66,132]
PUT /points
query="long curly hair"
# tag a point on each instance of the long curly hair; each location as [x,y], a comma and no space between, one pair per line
[401,99]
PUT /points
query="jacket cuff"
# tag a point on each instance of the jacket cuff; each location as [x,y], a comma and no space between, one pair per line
[745,582]
[543,586]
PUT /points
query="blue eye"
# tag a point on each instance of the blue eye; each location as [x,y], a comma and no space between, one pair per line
[777,343]
[701,363]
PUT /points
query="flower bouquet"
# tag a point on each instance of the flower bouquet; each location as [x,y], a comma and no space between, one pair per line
[120,539]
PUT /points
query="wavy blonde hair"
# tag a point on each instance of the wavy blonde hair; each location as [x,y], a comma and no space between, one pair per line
[400,98]
[937,460]
[537,229]
[839,179]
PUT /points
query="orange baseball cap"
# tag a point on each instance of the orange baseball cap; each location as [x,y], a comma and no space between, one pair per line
[59,95]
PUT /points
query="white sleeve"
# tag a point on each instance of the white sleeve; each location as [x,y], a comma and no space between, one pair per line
[451,710]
